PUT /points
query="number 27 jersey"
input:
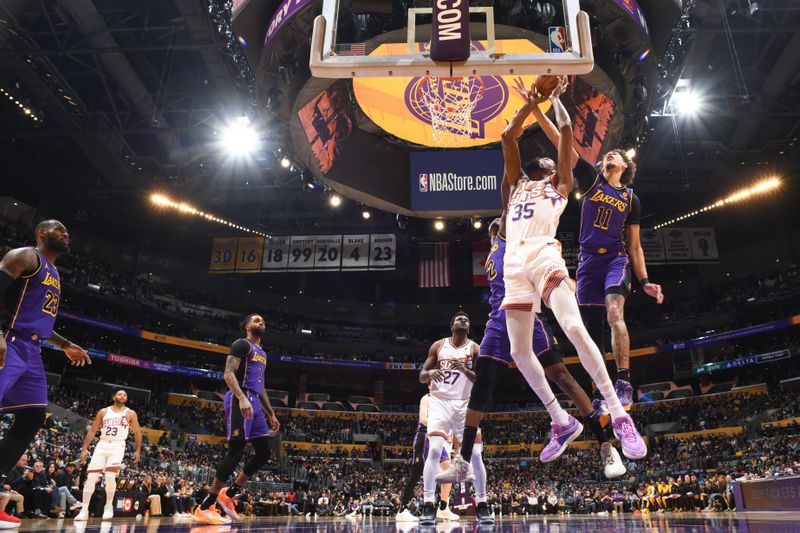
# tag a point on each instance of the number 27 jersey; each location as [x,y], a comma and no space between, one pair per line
[454,385]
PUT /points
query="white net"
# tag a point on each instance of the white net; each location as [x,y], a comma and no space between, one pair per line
[450,102]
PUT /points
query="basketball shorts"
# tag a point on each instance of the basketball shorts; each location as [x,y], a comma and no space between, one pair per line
[446,418]
[496,346]
[107,455]
[599,275]
[240,428]
[22,380]
[531,271]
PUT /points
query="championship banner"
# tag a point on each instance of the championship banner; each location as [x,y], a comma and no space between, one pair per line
[653,246]
[480,252]
[704,244]
[678,245]
[570,247]
[456,180]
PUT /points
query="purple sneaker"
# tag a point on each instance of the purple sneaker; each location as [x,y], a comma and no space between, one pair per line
[633,445]
[624,392]
[560,438]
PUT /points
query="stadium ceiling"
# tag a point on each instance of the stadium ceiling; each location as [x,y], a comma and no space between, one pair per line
[131,92]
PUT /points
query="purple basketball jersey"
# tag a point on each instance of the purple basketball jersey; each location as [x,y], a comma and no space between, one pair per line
[604,211]
[254,369]
[34,307]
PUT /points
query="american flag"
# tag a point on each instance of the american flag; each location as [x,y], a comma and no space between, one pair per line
[350,49]
[434,264]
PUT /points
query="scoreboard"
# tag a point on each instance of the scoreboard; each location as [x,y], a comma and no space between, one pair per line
[304,253]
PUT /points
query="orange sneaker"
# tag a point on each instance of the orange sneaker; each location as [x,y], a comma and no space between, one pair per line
[227,503]
[210,516]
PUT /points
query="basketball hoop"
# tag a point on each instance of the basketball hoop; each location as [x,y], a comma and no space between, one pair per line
[450,102]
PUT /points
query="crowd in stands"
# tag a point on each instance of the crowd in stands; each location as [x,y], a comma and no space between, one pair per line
[80,270]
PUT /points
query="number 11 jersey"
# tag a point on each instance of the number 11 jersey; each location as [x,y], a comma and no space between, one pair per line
[454,385]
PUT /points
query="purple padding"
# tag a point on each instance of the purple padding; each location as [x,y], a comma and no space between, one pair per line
[776,494]
[450,38]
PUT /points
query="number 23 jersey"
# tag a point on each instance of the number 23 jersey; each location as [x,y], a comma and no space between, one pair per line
[454,385]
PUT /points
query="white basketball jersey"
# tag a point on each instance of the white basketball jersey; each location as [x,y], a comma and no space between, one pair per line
[454,385]
[115,426]
[534,210]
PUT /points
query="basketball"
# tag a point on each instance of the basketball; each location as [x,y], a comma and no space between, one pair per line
[545,85]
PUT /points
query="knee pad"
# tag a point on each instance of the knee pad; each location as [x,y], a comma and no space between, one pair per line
[483,388]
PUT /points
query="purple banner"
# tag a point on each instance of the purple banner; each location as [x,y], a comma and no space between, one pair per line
[98,323]
[631,7]
[285,11]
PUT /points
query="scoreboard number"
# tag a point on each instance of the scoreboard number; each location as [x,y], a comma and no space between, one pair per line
[328,252]
[301,252]
[382,248]
[223,254]
[276,254]
[355,252]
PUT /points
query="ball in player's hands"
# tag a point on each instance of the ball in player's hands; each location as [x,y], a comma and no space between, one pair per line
[545,85]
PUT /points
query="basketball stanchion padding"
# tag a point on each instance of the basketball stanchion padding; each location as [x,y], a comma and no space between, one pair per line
[450,38]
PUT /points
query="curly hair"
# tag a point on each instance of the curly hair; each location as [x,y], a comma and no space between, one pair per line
[630,173]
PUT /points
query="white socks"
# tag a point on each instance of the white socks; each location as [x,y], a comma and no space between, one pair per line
[565,308]
[435,446]
[480,473]
[520,334]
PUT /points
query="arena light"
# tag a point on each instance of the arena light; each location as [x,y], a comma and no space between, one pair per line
[335,200]
[239,137]
[285,162]
[163,201]
[761,187]
[365,214]
[630,152]
[477,223]
[438,225]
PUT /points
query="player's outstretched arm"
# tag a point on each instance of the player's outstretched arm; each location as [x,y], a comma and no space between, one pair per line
[430,371]
[14,264]
[550,130]
[133,420]
[636,253]
[564,170]
[77,356]
[98,421]
[512,161]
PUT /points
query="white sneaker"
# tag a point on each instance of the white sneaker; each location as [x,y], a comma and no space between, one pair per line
[108,512]
[406,516]
[446,514]
[612,463]
[83,516]
[457,472]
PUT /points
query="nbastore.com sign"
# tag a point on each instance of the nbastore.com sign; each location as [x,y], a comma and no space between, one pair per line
[456,180]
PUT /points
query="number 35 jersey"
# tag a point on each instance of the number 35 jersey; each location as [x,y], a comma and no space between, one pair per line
[454,385]
[534,210]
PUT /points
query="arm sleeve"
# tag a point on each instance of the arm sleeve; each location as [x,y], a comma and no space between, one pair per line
[585,174]
[635,216]
[240,348]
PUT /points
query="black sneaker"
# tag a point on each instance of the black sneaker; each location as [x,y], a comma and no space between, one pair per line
[428,514]
[484,514]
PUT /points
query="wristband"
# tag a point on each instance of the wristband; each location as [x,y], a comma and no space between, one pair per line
[644,281]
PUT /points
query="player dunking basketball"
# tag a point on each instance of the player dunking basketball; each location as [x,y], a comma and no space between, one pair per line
[449,372]
[536,272]
[249,417]
[609,245]
[114,422]
[30,291]
[495,354]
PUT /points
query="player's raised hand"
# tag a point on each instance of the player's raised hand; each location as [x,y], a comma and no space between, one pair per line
[457,365]
[563,82]
[77,356]
[654,290]
[246,408]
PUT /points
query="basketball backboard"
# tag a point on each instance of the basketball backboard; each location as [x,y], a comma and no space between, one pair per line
[332,56]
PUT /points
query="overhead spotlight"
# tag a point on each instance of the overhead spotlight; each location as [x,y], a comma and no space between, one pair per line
[285,162]
[685,101]
[630,152]
[477,223]
[366,214]
[239,137]
[438,225]
[335,200]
